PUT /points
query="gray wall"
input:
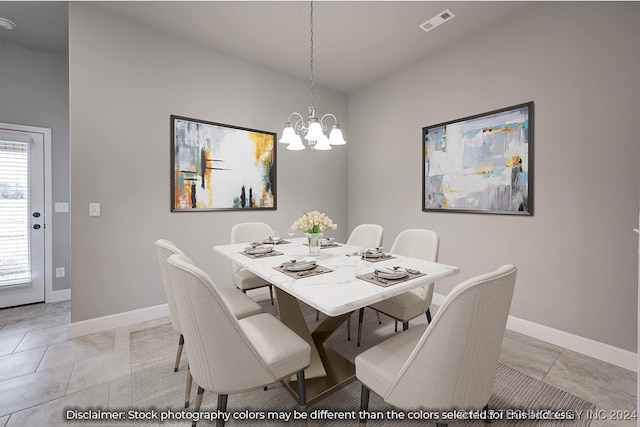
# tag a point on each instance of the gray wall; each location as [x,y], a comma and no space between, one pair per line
[34,91]
[579,63]
[125,83]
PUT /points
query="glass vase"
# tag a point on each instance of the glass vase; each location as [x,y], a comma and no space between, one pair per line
[313,240]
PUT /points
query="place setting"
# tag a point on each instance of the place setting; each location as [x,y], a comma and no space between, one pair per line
[275,239]
[260,250]
[372,254]
[391,275]
[302,268]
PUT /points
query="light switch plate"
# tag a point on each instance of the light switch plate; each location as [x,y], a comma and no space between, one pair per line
[62,207]
[94,209]
[59,271]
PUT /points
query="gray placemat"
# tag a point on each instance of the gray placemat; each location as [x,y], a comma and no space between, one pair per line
[371,278]
[386,257]
[305,273]
[264,255]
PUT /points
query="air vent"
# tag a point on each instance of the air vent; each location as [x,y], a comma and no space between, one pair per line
[439,19]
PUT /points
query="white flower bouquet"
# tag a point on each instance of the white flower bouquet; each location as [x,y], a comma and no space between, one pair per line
[314,222]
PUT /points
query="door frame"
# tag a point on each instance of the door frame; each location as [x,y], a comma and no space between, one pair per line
[48,206]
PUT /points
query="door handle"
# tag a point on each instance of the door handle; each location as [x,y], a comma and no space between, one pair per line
[36,226]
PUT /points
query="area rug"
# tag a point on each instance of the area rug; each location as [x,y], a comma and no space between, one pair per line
[158,392]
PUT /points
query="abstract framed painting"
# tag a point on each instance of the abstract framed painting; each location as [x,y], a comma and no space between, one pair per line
[480,164]
[221,167]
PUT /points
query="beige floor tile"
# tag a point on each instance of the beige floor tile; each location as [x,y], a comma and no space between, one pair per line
[57,307]
[77,349]
[34,389]
[53,413]
[102,368]
[9,343]
[43,338]
[41,321]
[529,358]
[122,335]
[606,385]
[120,393]
[22,363]
[20,313]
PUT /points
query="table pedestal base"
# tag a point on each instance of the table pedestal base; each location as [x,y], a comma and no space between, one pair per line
[328,369]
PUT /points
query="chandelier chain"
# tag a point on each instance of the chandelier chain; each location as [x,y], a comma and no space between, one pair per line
[311,56]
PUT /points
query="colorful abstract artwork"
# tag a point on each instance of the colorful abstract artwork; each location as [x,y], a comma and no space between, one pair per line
[221,167]
[480,164]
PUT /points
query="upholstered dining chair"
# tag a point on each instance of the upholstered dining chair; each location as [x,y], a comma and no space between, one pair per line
[362,236]
[227,355]
[450,363]
[416,243]
[239,304]
[247,232]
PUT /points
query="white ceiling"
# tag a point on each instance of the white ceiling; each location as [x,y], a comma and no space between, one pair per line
[355,42]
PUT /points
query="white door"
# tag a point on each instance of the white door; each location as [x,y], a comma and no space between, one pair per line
[22,217]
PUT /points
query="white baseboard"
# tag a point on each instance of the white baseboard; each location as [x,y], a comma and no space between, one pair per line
[604,352]
[105,323]
[61,295]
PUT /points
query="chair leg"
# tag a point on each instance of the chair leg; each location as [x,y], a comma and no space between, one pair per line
[271,293]
[302,390]
[486,420]
[364,404]
[379,321]
[180,345]
[405,326]
[196,408]
[349,328]
[187,394]
[222,407]
[428,314]
[360,319]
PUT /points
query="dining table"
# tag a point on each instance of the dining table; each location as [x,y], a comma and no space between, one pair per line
[341,282]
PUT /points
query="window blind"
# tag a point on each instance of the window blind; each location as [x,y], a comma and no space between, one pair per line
[14,213]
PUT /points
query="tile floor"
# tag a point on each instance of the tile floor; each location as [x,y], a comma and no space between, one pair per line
[42,372]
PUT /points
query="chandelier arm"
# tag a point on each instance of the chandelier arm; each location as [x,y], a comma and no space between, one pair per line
[295,113]
[324,126]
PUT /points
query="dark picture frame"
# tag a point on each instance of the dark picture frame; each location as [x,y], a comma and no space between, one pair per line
[220,167]
[480,164]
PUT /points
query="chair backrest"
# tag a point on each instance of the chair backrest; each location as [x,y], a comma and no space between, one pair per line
[417,243]
[165,249]
[220,357]
[366,236]
[246,232]
[454,363]
[423,244]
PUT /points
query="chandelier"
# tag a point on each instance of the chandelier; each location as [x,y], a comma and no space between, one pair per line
[313,128]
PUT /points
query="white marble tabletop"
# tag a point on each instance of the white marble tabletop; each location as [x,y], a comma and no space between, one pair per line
[339,291]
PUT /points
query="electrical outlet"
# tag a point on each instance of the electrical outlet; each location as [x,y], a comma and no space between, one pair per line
[59,271]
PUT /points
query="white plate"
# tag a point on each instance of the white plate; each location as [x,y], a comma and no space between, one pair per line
[374,254]
[258,250]
[271,239]
[391,273]
[326,242]
[298,266]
